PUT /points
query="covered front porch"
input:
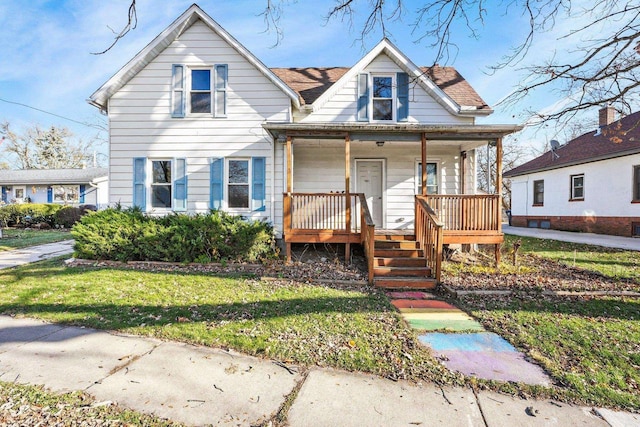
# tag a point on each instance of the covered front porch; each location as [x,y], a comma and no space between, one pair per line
[427,176]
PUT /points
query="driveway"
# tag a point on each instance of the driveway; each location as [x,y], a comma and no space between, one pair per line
[30,254]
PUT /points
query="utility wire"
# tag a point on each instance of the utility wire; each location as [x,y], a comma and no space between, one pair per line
[52,114]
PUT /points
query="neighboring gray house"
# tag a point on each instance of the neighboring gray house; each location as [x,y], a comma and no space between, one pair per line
[65,186]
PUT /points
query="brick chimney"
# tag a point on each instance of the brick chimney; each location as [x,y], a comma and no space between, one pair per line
[607,116]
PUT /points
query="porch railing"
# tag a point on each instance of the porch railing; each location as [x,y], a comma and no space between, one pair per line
[322,211]
[367,233]
[429,233]
[467,212]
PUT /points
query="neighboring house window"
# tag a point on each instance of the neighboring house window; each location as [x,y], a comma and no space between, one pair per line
[205,88]
[636,183]
[432,178]
[238,183]
[66,193]
[383,97]
[577,187]
[538,193]
[160,184]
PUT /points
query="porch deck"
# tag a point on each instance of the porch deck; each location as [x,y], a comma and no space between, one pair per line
[439,220]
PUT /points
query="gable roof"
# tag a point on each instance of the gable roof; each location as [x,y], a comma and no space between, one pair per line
[620,138]
[164,39]
[448,78]
[51,176]
[311,83]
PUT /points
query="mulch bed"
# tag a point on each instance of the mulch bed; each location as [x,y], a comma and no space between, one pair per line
[544,276]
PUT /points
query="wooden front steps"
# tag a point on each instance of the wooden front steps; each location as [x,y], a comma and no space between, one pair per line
[399,263]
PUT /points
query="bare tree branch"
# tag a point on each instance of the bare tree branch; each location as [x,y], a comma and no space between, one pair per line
[132,23]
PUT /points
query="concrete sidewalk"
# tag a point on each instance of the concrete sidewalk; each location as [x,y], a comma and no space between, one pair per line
[628,243]
[200,385]
[31,254]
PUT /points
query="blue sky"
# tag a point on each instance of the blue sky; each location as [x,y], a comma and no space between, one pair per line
[46,60]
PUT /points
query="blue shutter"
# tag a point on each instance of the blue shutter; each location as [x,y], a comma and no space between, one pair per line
[402,80]
[180,186]
[177,90]
[363,97]
[49,194]
[83,188]
[216,178]
[221,80]
[139,183]
[4,194]
[258,193]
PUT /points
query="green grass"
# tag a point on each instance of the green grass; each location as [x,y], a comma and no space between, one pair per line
[301,323]
[614,263]
[31,405]
[589,346]
[15,238]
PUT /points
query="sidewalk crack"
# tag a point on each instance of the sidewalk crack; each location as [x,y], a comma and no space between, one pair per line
[484,418]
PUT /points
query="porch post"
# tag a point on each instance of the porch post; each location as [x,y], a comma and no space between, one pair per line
[287,198]
[423,171]
[347,192]
[499,191]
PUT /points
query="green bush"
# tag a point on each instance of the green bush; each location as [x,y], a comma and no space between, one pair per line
[130,235]
[67,216]
[24,214]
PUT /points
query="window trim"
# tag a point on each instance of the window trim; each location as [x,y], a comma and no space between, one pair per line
[65,200]
[635,184]
[394,95]
[572,188]
[227,169]
[418,176]
[534,192]
[182,90]
[149,184]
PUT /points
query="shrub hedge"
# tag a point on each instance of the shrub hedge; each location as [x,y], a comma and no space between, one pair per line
[22,214]
[130,235]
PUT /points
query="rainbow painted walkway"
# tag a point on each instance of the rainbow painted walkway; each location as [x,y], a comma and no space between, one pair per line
[461,343]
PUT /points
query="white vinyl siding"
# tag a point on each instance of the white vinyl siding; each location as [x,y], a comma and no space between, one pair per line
[141,124]
[343,106]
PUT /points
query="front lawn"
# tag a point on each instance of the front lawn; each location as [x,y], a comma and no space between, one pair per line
[349,328]
[16,238]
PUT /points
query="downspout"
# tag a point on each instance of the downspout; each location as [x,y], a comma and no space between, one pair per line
[272,209]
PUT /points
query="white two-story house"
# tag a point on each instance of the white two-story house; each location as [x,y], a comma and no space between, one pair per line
[197,122]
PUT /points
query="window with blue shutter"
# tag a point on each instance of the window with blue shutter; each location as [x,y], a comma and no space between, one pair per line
[363,97]
[216,178]
[258,193]
[139,182]
[83,189]
[402,80]
[177,92]
[180,185]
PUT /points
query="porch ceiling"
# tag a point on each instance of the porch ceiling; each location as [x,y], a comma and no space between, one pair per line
[397,132]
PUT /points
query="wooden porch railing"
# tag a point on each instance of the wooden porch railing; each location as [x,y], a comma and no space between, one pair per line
[367,233]
[429,233]
[321,211]
[467,212]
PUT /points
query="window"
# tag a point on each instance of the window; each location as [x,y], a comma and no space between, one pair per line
[160,183]
[19,193]
[538,193]
[383,97]
[432,178]
[66,193]
[636,183]
[238,183]
[577,187]
[205,88]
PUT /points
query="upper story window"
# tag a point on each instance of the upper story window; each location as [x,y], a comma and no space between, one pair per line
[199,90]
[382,100]
[538,192]
[383,97]
[577,187]
[636,183]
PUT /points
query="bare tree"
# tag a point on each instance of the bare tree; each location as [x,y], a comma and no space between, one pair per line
[132,23]
[53,148]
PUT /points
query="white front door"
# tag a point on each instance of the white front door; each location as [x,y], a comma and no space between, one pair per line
[369,173]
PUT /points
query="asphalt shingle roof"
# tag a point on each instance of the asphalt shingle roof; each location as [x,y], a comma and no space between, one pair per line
[311,83]
[620,138]
[51,176]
